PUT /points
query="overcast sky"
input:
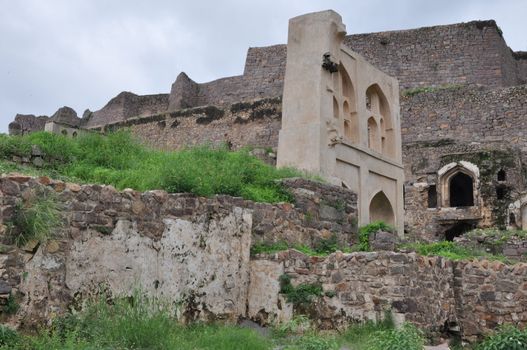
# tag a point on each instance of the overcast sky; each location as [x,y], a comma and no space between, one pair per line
[82,53]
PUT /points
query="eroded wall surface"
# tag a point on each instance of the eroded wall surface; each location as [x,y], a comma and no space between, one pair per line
[195,253]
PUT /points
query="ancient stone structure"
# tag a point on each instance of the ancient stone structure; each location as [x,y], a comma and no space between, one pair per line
[195,252]
[342,121]
[468,97]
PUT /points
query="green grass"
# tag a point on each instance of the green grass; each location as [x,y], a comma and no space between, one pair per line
[323,247]
[35,218]
[120,160]
[452,251]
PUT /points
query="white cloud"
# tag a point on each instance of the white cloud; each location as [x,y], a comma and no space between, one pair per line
[81,53]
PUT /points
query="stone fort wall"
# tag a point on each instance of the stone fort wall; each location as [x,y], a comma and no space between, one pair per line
[114,241]
[465,53]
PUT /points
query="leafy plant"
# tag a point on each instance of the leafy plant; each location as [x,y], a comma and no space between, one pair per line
[268,248]
[408,337]
[314,342]
[11,307]
[302,294]
[36,218]
[367,230]
[506,338]
[299,324]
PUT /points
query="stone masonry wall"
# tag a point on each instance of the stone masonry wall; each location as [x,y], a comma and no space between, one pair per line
[241,124]
[195,252]
[359,287]
[422,161]
[489,294]
[127,105]
[465,53]
[466,114]
[192,250]
[431,292]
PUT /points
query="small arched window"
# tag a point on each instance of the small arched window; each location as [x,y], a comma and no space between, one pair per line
[461,188]
[502,176]
[74,134]
[64,132]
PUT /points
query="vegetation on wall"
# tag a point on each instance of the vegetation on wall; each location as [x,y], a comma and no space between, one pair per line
[452,251]
[35,218]
[120,160]
[322,247]
[367,230]
[303,294]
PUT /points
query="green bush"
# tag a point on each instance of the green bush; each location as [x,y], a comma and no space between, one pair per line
[268,248]
[12,306]
[506,338]
[36,218]
[367,230]
[302,294]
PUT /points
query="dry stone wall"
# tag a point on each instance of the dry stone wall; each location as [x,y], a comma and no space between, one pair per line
[255,123]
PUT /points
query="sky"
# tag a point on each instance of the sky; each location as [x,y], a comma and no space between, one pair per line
[81,53]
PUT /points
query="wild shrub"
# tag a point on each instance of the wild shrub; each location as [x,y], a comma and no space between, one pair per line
[302,294]
[367,230]
[8,336]
[452,251]
[506,338]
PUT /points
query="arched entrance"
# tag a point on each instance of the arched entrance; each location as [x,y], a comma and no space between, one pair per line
[461,188]
[381,209]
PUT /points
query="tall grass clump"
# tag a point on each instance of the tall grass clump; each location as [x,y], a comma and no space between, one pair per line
[120,160]
[207,171]
[384,335]
[35,218]
[134,323]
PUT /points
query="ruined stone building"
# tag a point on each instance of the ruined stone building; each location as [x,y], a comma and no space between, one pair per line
[452,120]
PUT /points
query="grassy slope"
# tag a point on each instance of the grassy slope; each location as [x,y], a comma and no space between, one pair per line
[120,160]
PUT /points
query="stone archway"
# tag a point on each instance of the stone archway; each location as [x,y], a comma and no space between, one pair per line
[381,209]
